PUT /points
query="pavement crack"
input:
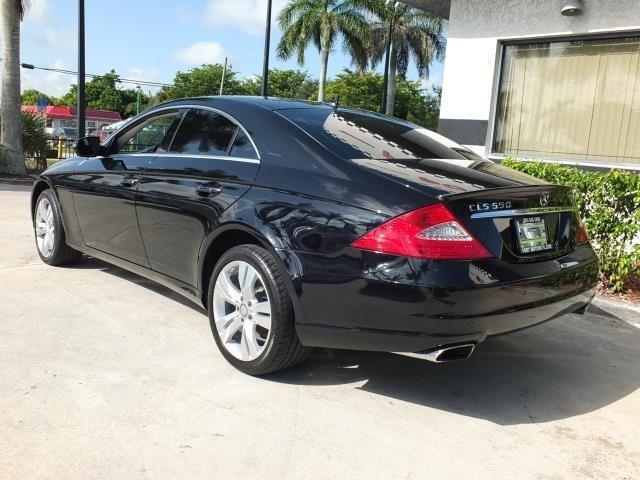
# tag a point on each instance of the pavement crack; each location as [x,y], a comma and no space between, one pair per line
[522,396]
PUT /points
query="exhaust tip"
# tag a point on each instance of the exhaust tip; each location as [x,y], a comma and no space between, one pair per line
[450,354]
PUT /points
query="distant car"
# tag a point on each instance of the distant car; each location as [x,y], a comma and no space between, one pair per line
[301,224]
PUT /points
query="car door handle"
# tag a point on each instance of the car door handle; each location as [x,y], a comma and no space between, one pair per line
[209,189]
[129,181]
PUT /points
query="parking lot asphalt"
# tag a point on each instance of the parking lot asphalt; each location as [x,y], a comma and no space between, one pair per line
[104,374]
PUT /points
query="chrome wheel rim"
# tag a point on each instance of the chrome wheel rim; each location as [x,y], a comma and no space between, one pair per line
[45,228]
[242,310]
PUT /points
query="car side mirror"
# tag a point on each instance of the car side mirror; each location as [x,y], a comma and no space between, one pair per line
[88,147]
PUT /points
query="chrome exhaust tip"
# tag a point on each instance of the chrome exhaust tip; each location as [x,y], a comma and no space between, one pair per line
[450,354]
[443,354]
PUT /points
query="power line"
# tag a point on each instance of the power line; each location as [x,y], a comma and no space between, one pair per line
[147,83]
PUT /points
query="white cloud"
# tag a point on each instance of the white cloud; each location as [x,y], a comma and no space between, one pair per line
[248,16]
[37,11]
[183,15]
[148,74]
[199,53]
[434,80]
[51,83]
[60,37]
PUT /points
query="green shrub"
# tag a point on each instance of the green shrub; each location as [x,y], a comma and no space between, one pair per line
[34,139]
[609,205]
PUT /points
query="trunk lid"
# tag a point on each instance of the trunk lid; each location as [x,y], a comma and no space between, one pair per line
[519,224]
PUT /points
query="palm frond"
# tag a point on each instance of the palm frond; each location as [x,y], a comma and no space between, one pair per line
[23,6]
[417,36]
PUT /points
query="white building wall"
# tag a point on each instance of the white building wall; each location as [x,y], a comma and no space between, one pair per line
[475,26]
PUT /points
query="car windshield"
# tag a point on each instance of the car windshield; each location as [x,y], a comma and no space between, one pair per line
[358,134]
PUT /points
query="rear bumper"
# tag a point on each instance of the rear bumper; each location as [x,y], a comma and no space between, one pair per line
[465,330]
[375,302]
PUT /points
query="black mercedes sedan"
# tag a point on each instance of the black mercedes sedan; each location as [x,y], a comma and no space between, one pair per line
[300,224]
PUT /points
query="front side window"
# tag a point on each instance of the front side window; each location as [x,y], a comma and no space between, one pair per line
[146,136]
[577,100]
[203,132]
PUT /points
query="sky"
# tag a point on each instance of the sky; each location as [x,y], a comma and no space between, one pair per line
[151,40]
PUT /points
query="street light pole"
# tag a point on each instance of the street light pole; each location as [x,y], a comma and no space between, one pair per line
[138,100]
[265,62]
[80,114]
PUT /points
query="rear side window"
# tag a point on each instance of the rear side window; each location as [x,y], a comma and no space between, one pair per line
[242,147]
[203,132]
[356,134]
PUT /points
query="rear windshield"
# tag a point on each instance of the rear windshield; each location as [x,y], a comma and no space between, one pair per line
[356,134]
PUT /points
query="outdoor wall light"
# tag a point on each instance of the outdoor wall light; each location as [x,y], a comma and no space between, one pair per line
[572,8]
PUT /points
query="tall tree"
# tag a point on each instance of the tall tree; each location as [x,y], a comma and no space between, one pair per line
[282,83]
[416,35]
[103,93]
[31,96]
[10,117]
[323,23]
[364,90]
[202,81]
[288,83]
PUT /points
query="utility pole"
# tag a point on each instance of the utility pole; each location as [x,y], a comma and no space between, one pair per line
[80,114]
[265,62]
[224,71]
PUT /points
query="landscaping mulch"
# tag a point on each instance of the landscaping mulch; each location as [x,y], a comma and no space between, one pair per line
[631,292]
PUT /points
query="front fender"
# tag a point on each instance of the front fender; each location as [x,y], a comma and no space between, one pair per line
[41,183]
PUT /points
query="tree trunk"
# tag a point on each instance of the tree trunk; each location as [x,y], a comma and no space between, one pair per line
[391,85]
[10,116]
[324,60]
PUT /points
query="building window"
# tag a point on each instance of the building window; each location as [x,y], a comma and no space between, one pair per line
[69,123]
[575,100]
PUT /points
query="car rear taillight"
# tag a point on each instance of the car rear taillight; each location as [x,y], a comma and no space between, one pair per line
[431,232]
[582,236]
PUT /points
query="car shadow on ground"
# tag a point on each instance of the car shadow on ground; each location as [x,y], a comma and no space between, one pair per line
[570,366]
[91,263]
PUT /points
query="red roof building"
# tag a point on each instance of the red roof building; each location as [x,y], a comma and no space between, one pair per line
[61,121]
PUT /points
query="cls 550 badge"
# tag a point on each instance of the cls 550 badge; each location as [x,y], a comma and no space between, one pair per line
[484,206]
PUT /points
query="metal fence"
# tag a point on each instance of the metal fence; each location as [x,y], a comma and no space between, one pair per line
[60,148]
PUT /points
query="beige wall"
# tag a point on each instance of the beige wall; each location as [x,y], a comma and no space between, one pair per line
[476,26]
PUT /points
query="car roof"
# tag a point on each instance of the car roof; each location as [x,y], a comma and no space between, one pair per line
[268,103]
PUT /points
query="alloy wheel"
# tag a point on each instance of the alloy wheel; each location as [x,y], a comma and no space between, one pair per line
[242,310]
[45,227]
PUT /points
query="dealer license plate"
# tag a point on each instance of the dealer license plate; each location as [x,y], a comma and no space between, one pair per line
[532,235]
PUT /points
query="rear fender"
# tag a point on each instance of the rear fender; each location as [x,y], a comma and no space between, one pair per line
[287,261]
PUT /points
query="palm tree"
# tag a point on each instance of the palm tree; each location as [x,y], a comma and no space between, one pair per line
[323,23]
[416,34]
[10,115]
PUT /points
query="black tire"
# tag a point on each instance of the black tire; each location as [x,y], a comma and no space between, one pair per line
[61,254]
[282,349]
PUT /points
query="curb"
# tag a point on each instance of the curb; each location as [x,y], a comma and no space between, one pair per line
[627,312]
[16,181]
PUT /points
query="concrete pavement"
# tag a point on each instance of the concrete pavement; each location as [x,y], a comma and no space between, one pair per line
[106,375]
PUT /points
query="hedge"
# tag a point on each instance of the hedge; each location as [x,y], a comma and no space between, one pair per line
[609,205]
